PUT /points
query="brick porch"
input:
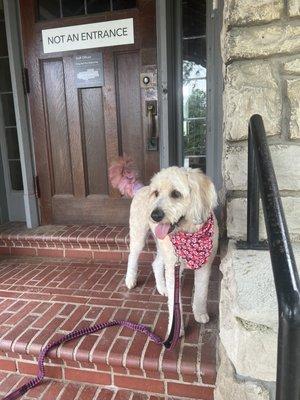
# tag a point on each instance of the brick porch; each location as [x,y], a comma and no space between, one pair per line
[45,298]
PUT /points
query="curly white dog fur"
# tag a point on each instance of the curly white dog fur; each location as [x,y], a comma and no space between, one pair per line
[181,199]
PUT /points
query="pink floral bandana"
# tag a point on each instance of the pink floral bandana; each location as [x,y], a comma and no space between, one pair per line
[195,248]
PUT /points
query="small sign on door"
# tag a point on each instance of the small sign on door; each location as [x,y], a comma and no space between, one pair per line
[88,36]
[89,70]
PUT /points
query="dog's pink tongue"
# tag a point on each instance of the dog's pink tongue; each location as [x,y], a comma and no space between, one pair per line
[162,230]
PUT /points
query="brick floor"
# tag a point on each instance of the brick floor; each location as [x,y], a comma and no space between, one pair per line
[42,299]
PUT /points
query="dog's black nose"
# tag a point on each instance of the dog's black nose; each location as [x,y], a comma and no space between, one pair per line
[157,214]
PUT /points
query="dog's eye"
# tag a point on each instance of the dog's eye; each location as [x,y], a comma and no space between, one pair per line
[155,193]
[175,194]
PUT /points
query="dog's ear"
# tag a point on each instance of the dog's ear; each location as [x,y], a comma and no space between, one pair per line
[203,195]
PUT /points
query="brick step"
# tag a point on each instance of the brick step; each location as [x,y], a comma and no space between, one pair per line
[94,242]
[43,299]
[64,390]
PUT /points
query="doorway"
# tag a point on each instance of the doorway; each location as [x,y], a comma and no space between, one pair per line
[78,131]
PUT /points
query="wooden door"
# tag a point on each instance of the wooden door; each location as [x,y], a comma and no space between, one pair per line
[78,132]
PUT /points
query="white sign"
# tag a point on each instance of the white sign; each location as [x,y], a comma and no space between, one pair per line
[88,36]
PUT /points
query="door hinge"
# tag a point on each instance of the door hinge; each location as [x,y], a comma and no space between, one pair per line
[37,190]
[26,81]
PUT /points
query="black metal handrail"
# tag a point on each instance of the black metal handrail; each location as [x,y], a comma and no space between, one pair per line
[262,180]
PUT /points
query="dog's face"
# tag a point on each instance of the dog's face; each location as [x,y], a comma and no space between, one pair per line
[179,194]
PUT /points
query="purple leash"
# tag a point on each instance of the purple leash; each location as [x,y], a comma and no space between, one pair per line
[169,343]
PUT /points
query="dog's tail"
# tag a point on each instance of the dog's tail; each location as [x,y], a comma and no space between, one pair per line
[124,176]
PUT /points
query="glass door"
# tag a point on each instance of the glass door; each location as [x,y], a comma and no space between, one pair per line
[194,83]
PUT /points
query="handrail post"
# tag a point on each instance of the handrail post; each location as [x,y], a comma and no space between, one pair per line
[285,272]
[252,196]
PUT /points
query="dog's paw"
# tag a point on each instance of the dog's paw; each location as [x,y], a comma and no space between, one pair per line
[130,282]
[201,318]
[162,289]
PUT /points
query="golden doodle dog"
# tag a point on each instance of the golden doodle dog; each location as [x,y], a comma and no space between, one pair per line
[177,207]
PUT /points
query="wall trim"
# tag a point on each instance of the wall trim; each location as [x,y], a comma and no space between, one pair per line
[214,138]
[3,199]
[162,82]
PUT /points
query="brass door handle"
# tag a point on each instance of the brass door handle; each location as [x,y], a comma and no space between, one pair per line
[151,120]
[151,110]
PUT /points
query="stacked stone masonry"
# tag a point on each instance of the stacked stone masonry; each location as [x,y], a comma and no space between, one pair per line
[248,325]
[261,54]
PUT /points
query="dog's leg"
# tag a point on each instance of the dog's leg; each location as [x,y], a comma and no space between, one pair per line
[200,293]
[201,279]
[166,250]
[159,274]
[138,233]
[139,227]
[136,246]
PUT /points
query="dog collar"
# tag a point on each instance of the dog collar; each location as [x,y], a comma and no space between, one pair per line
[195,248]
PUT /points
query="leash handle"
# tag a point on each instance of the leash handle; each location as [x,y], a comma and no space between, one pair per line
[74,335]
[170,343]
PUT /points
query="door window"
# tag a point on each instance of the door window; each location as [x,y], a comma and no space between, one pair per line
[53,9]
[194,82]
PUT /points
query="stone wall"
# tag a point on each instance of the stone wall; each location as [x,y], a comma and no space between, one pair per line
[261,54]
[248,325]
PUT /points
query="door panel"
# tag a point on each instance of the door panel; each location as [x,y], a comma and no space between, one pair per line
[57,126]
[94,145]
[129,105]
[79,132]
